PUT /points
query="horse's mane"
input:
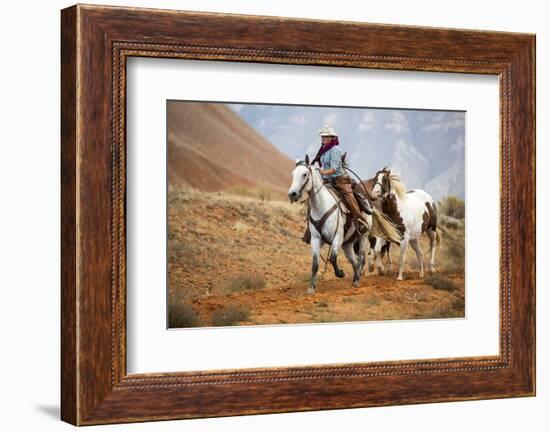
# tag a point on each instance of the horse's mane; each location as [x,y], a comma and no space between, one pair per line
[397,185]
[317,176]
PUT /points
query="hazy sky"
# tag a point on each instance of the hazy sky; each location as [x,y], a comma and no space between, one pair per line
[425,147]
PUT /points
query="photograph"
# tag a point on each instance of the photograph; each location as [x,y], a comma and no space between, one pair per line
[301,214]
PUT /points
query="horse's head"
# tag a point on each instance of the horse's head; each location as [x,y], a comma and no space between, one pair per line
[382,184]
[302,181]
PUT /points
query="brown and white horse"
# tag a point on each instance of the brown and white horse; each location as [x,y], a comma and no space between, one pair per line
[413,212]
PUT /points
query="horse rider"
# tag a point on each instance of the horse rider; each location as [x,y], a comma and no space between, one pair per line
[329,158]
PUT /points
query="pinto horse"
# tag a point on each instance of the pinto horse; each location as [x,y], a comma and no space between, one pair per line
[414,212]
[329,223]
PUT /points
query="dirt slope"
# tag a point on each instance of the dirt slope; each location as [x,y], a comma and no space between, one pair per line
[211,148]
[237,259]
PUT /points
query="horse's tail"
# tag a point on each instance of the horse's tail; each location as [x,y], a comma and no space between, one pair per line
[383,227]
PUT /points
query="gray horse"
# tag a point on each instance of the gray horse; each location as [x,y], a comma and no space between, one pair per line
[328,223]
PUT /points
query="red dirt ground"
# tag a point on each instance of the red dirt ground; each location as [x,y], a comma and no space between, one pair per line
[229,251]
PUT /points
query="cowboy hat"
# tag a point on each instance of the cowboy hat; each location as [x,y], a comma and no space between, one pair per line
[327,131]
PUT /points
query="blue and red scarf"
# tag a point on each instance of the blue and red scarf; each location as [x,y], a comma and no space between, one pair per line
[324,149]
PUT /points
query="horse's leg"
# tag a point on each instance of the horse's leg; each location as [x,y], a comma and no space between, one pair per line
[355,262]
[369,258]
[315,253]
[387,250]
[402,252]
[363,244]
[432,235]
[336,242]
[416,248]
[378,255]
[360,252]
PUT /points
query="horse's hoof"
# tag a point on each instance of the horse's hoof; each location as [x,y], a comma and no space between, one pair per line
[310,290]
[421,275]
[371,268]
[355,283]
[380,271]
[340,274]
[400,278]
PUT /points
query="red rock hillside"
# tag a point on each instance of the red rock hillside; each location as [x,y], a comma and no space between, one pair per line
[211,148]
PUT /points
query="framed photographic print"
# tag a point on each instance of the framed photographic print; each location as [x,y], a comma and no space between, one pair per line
[265,214]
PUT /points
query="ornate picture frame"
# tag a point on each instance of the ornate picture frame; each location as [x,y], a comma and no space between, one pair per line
[96,41]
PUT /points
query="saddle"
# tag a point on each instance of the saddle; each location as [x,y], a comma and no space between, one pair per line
[318,224]
[362,200]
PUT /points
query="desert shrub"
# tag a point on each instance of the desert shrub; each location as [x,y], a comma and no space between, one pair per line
[182,315]
[450,222]
[452,206]
[439,312]
[183,251]
[246,282]
[447,311]
[230,316]
[457,306]
[372,301]
[455,252]
[440,283]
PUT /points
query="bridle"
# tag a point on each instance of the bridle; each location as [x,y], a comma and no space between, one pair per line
[313,192]
[382,195]
[318,224]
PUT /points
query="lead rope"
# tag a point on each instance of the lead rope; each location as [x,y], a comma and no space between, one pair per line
[361,181]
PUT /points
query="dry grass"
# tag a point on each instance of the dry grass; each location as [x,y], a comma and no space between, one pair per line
[452,206]
[452,309]
[264,194]
[230,316]
[451,255]
[182,315]
[447,222]
[246,282]
[440,282]
[372,302]
[232,233]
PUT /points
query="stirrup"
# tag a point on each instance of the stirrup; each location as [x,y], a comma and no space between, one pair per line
[361,226]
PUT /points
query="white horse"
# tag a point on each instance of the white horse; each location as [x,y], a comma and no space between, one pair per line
[327,222]
[413,212]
